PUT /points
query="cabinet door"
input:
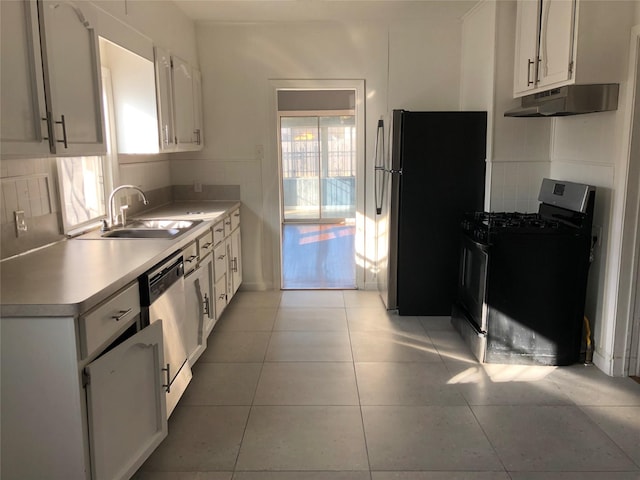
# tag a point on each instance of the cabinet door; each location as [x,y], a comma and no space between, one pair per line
[556,41]
[209,296]
[165,99]
[220,289]
[527,25]
[72,78]
[183,102]
[197,108]
[126,404]
[22,129]
[198,309]
[236,260]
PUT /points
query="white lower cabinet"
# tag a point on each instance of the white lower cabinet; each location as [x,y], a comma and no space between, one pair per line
[221,295]
[199,309]
[235,261]
[82,397]
[126,405]
[227,260]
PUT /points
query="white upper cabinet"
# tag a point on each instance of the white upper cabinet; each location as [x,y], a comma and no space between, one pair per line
[197,107]
[544,44]
[22,130]
[555,55]
[72,78]
[557,43]
[183,101]
[51,94]
[527,27]
[165,99]
[179,88]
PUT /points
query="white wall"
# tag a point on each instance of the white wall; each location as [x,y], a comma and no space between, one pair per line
[592,149]
[518,149]
[411,63]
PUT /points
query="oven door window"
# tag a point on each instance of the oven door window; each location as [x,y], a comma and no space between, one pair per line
[473,280]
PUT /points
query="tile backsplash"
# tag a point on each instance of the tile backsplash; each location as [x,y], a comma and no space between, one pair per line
[515,185]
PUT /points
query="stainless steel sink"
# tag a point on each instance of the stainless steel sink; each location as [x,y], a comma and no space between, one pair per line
[142,228]
[162,224]
[142,233]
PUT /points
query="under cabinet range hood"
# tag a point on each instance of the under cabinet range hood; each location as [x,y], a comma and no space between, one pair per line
[568,100]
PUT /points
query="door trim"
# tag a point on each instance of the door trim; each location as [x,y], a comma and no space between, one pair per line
[271,170]
[626,338]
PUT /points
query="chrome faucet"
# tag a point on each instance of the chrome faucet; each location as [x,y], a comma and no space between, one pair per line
[112,215]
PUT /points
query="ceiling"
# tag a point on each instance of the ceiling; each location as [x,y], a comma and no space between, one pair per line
[250,11]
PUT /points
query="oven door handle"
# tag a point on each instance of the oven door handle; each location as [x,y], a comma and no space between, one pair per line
[482,246]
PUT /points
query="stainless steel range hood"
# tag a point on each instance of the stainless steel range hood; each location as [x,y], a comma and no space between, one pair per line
[568,100]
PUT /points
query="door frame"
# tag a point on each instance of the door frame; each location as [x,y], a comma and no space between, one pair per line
[271,169]
[626,346]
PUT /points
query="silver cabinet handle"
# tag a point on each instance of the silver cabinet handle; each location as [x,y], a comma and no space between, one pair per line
[168,385]
[64,131]
[207,245]
[236,214]
[191,258]
[529,63]
[228,222]
[52,134]
[219,230]
[221,257]
[234,264]
[121,314]
[207,306]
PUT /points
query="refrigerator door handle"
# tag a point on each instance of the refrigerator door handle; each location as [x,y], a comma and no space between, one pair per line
[379,167]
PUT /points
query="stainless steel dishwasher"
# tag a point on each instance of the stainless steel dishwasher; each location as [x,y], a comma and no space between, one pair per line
[162,298]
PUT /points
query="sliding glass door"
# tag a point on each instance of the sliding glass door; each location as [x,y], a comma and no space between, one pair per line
[318,158]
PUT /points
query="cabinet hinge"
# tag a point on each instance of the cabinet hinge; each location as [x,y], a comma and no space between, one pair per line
[571,68]
[86,379]
[171,62]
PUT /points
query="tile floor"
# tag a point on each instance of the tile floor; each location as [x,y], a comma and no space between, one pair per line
[325,385]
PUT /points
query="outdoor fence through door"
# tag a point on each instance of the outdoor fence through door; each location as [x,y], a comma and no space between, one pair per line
[318,175]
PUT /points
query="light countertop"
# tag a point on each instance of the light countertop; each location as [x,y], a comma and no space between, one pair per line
[69,277]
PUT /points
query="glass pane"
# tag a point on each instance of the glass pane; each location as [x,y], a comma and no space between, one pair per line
[338,159]
[300,149]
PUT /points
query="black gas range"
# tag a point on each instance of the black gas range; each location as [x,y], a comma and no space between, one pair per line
[523,278]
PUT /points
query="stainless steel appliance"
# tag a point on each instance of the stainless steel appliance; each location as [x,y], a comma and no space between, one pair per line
[523,278]
[431,172]
[162,298]
[568,100]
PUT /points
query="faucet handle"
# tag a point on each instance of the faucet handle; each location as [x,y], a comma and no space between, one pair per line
[123,214]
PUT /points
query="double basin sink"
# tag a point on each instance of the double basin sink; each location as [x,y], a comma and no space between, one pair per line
[142,228]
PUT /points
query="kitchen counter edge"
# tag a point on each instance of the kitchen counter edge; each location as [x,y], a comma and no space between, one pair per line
[207,211]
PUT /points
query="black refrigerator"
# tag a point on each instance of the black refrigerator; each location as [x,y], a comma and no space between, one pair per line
[429,171]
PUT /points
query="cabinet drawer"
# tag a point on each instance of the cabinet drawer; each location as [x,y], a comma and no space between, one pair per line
[190,255]
[100,325]
[205,244]
[220,260]
[235,219]
[221,295]
[218,232]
